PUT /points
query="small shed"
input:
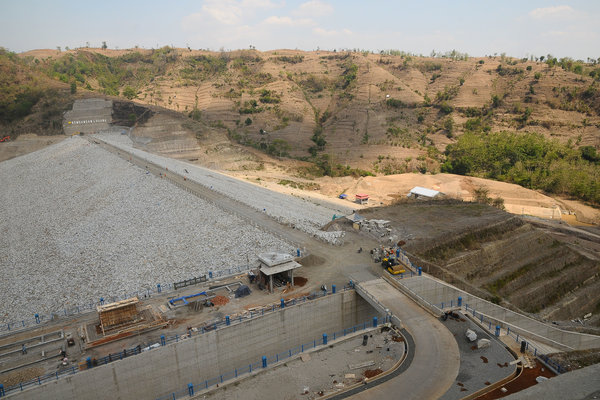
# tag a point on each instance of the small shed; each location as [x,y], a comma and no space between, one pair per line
[118,313]
[276,265]
[362,198]
[356,220]
[419,192]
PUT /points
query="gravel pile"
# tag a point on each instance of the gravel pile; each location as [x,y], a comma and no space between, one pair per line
[79,223]
[302,214]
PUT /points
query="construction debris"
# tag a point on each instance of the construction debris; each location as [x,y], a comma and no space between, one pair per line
[361,365]
[471,335]
[220,300]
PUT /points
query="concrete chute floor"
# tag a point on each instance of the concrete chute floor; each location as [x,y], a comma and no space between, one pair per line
[437,359]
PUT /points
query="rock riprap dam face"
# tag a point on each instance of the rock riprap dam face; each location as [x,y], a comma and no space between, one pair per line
[80,223]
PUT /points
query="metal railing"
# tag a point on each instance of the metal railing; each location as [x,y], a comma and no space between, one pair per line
[265,361]
[163,340]
[495,330]
[37,318]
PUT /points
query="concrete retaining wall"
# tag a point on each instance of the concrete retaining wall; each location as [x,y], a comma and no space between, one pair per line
[88,116]
[437,292]
[194,360]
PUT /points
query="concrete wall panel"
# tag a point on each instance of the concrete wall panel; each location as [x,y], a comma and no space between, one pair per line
[206,356]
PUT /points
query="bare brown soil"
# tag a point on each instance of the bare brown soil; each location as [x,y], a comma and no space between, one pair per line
[525,380]
[220,300]
[494,255]
[300,281]
[372,372]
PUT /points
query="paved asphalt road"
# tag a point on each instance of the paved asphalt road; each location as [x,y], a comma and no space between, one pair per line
[436,361]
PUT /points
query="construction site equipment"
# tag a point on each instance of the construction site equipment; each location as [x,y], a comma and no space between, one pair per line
[186,300]
[242,291]
[115,314]
[396,269]
[389,262]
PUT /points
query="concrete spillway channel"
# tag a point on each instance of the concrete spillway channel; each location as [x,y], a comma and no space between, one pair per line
[212,357]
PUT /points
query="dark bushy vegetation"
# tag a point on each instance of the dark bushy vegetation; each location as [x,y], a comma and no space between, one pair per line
[112,73]
[395,103]
[269,97]
[326,165]
[291,59]
[22,94]
[529,160]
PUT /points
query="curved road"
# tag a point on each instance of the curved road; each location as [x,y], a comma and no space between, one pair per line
[436,361]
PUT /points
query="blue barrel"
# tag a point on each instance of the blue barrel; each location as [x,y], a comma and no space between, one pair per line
[324,338]
[374,322]
[459,301]
[497,330]
[282,303]
[264,361]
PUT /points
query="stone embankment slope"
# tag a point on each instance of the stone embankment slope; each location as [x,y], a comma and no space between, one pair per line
[302,214]
[79,223]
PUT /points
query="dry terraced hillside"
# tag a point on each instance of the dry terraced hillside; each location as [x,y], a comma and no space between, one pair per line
[532,123]
[362,105]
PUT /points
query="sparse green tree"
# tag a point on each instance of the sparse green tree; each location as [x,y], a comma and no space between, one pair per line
[498,202]
[104,46]
[129,92]
[496,101]
[481,195]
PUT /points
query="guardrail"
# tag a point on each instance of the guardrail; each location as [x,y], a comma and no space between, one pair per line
[495,330]
[265,361]
[163,341]
[492,327]
[37,318]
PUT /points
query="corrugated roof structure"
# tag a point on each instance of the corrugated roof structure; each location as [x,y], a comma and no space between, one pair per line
[419,191]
